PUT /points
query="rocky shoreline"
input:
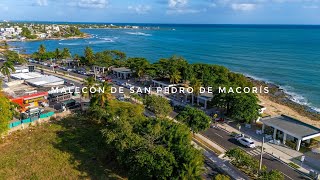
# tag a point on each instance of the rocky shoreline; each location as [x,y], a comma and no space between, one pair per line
[278,95]
[56,38]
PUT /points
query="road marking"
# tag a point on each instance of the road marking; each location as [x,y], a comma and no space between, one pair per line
[287,176]
[218,135]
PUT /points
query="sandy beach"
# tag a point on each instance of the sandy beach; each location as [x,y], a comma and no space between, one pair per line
[274,109]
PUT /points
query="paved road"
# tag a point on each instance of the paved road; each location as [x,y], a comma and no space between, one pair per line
[60,70]
[224,139]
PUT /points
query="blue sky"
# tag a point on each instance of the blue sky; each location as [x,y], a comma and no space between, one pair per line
[165,11]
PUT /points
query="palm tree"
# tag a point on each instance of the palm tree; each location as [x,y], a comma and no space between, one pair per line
[42,49]
[88,83]
[65,53]
[57,53]
[101,99]
[193,170]
[76,58]
[89,55]
[7,68]
[196,85]
[175,76]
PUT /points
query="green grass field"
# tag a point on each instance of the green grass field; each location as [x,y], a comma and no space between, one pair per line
[66,149]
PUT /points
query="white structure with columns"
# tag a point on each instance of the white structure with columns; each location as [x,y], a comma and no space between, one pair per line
[291,127]
[122,72]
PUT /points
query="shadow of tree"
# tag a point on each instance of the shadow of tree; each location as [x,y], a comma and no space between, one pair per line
[83,140]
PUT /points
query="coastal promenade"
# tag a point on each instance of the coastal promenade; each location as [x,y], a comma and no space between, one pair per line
[220,137]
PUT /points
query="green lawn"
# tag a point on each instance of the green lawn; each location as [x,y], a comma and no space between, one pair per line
[67,149]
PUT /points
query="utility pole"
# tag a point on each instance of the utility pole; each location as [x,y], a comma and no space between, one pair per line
[261,154]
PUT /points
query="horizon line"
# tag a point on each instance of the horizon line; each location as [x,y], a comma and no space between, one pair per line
[154,23]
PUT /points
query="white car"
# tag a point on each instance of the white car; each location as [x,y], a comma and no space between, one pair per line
[246,142]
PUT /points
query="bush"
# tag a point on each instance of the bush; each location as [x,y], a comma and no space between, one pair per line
[221,177]
[295,166]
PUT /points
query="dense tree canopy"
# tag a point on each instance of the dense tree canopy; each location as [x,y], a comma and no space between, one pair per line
[89,56]
[242,107]
[150,148]
[196,119]
[158,105]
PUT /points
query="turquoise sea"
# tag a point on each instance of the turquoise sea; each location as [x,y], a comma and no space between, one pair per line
[288,56]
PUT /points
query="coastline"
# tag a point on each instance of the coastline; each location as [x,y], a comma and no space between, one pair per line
[85,35]
[278,102]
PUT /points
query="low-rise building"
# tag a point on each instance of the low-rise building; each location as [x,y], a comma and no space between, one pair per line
[45,81]
[287,128]
[30,101]
[122,72]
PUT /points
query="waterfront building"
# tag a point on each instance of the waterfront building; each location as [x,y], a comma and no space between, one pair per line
[287,129]
[122,72]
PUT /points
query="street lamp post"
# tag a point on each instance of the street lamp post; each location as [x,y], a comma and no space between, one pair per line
[261,154]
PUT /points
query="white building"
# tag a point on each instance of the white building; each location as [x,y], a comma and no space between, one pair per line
[11,30]
[46,81]
[26,76]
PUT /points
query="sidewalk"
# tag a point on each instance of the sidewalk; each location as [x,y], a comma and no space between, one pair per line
[269,148]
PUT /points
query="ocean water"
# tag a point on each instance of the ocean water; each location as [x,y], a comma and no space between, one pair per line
[288,56]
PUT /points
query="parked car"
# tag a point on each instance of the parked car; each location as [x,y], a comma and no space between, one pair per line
[246,142]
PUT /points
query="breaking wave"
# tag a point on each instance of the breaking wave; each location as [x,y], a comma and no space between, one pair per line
[139,33]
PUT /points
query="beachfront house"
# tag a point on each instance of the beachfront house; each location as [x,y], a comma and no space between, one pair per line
[289,131]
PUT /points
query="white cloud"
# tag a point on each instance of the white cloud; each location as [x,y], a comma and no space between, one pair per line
[140,9]
[90,3]
[243,7]
[42,3]
[185,11]
[181,7]
[176,4]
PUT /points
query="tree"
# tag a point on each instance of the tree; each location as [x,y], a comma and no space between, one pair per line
[13,57]
[42,49]
[175,77]
[196,119]
[65,53]
[244,107]
[196,85]
[221,177]
[138,65]
[57,53]
[7,68]
[104,58]
[271,175]
[150,148]
[88,83]
[6,113]
[76,58]
[102,99]
[89,56]
[158,105]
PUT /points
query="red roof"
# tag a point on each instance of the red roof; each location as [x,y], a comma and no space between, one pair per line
[31,96]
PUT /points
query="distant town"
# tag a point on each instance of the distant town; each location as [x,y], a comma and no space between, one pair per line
[20,31]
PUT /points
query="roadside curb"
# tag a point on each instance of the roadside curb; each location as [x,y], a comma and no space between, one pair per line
[273,155]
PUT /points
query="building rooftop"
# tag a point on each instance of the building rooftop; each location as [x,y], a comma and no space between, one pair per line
[45,80]
[26,76]
[291,126]
[164,82]
[122,70]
